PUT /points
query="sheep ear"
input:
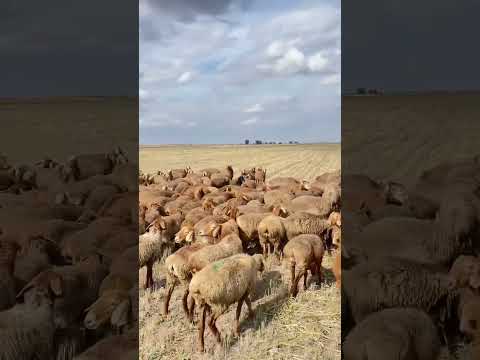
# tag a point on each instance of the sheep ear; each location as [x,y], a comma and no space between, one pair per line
[162,224]
[121,313]
[56,286]
[25,289]
[189,237]
[216,231]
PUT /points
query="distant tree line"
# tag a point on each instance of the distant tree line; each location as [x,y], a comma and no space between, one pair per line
[260,142]
[365,91]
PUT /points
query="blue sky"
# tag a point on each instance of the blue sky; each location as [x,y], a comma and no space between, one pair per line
[219,71]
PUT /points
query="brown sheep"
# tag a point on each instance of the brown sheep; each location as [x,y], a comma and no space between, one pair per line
[248,228]
[400,334]
[154,243]
[260,175]
[178,271]
[220,284]
[304,252]
[271,232]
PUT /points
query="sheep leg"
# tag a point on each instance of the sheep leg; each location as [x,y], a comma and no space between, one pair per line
[294,289]
[185,302]
[305,275]
[319,272]
[237,314]
[249,306]
[276,251]
[213,328]
[201,329]
[292,271]
[167,298]
[264,249]
[191,309]
[149,276]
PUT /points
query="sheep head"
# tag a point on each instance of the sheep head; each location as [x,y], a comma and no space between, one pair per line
[112,306]
[42,289]
[186,234]
[259,263]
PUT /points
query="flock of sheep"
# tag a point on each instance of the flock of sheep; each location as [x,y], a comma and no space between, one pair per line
[215,230]
[411,275]
[68,259]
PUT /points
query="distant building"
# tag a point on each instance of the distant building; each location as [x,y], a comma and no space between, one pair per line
[247,142]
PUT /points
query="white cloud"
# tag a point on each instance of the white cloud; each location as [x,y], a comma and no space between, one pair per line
[317,62]
[250,121]
[254,109]
[292,62]
[143,94]
[331,79]
[185,78]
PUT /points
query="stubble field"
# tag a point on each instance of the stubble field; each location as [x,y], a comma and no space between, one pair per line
[304,328]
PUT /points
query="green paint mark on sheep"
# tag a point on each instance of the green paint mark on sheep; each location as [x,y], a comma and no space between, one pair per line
[217,265]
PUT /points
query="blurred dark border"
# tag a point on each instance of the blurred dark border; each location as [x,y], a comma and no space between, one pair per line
[69,132]
[410,100]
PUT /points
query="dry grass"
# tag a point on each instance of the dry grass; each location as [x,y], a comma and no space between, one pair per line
[397,137]
[300,161]
[304,328]
[61,127]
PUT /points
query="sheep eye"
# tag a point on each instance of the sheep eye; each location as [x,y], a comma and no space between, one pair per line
[473,324]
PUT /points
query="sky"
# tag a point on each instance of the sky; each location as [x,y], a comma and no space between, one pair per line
[222,71]
[410,45]
[68,48]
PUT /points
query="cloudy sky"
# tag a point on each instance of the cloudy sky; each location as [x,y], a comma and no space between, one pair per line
[221,71]
[410,45]
[68,48]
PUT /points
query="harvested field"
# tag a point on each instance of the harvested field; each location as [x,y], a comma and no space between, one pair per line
[61,127]
[305,328]
[300,161]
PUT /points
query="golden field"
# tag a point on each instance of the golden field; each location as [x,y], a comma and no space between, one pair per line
[300,161]
[65,126]
[396,137]
[305,328]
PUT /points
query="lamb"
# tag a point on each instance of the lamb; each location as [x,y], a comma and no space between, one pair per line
[403,334]
[208,229]
[154,243]
[222,283]
[271,232]
[468,312]
[260,175]
[305,223]
[365,286]
[178,271]
[248,227]
[305,252]
[27,330]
